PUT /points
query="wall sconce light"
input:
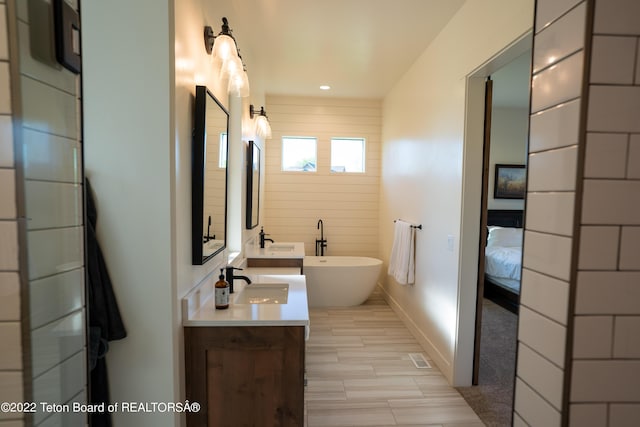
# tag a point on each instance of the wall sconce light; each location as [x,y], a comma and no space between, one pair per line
[262,126]
[224,47]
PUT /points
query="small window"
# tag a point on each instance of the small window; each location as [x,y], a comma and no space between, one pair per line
[347,155]
[222,163]
[299,154]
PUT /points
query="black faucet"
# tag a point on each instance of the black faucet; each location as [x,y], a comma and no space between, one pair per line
[208,236]
[262,239]
[322,242]
[229,277]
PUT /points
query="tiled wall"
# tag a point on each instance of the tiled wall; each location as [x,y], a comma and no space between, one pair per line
[11,366]
[556,98]
[48,165]
[606,341]
[347,203]
[579,351]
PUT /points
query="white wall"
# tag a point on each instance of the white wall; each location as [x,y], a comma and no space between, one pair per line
[509,134]
[423,122]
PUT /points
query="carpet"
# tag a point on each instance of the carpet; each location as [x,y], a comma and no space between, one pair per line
[492,398]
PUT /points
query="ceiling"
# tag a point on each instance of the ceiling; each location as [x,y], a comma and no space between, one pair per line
[360,48]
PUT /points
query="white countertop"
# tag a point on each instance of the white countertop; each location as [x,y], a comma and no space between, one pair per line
[271,250]
[200,311]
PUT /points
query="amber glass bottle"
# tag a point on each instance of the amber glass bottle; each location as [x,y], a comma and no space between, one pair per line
[222,292]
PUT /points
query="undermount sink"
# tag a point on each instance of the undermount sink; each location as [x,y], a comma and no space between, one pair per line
[264,293]
[281,248]
[211,246]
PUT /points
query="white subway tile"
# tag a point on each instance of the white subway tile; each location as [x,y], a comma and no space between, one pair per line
[598,248]
[10,390]
[55,296]
[8,194]
[613,60]
[592,337]
[51,158]
[606,155]
[560,39]
[60,383]
[9,296]
[560,83]
[53,204]
[55,251]
[548,11]
[553,170]
[617,17]
[542,335]
[633,165]
[630,248]
[545,295]
[626,339]
[551,212]
[5,89]
[611,202]
[4,44]
[547,253]
[541,375]
[48,109]
[588,415]
[10,340]
[605,381]
[614,109]
[624,415]
[608,292]
[56,341]
[6,142]
[532,408]
[8,245]
[556,127]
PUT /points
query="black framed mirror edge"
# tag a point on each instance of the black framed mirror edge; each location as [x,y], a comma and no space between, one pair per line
[198,158]
[253,150]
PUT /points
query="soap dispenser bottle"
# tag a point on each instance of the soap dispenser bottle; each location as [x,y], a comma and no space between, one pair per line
[222,292]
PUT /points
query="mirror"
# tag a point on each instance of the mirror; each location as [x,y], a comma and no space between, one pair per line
[209,177]
[253,184]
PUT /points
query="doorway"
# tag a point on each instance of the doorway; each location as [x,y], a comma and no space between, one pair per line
[495,147]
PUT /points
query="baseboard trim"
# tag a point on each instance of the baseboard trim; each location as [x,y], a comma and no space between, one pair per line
[434,354]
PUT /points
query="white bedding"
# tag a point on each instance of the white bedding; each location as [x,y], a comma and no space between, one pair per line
[503,257]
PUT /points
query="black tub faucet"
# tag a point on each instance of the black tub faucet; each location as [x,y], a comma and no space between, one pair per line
[262,238]
[229,276]
[321,243]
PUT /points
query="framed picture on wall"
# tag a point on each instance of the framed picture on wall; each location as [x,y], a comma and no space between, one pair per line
[510,182]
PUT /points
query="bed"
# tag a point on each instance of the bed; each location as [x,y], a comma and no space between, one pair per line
[503,258]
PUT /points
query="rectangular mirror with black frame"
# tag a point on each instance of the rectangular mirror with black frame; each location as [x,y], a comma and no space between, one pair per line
[253,184]
[209,174]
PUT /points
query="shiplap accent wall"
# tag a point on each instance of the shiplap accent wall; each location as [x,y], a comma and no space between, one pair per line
[346,202]
[11,366]
[605,377]
[48,164]
[548,257]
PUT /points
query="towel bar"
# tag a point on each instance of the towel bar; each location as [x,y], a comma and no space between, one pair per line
[419,227]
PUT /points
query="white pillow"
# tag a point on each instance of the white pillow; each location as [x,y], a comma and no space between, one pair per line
[504,236]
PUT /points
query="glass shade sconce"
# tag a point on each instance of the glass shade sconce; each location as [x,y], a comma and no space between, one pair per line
[223,47]
[261,122]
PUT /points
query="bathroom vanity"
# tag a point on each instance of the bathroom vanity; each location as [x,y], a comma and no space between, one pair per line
[279,254]
[245,364]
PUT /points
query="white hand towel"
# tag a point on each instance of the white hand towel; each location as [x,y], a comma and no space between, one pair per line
[402,261]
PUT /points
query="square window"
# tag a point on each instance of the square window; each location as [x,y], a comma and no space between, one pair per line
[299,154]
[347,155]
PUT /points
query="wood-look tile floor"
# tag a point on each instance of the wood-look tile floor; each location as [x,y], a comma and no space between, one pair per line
[359,373]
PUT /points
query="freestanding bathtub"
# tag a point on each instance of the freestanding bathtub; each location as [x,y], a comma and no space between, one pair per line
[340,281]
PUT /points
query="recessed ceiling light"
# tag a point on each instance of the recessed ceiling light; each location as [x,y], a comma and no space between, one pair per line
[325,87]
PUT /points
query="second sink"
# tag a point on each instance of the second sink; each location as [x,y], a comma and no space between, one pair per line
[264,293]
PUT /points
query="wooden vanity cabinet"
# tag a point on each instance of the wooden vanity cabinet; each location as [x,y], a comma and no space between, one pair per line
[275,262]
[245,375]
